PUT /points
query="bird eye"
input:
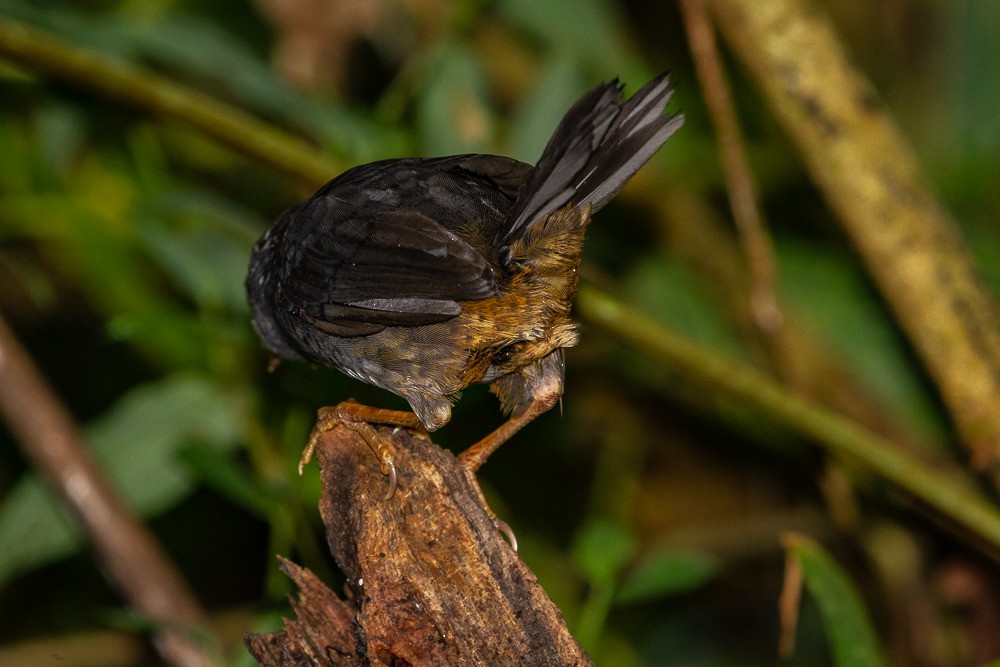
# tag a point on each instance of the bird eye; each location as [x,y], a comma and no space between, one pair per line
[504,354]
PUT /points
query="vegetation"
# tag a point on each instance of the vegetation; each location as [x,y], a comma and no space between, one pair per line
[738,387]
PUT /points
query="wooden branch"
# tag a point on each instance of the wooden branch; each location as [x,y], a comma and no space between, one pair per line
[430,579]
[870,177]
[323,629]
[129,553]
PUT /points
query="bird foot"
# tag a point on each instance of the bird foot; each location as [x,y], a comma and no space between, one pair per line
[359,418]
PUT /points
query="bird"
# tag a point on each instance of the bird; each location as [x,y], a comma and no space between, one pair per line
[423,276]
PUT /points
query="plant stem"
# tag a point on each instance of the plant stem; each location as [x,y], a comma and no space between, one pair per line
[41,52]
[835,434]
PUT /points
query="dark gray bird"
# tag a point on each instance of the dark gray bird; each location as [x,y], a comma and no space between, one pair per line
[425,275]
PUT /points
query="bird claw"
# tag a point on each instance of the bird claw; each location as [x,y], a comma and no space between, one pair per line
[498,523]
[306,455]
[389,470]
[359,418]
[324,424]
[505,528]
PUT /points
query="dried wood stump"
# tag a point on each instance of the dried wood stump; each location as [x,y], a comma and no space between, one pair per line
[431,581]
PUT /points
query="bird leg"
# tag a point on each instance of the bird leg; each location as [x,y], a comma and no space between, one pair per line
[359,418]
[476,455]
[525,393]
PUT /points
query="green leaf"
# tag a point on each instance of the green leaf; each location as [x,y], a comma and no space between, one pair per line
[828,293]
[185,234]
[589,30]
[225,65]
[557,88]
[17,159]
[665,573]
[601,550]
[453,114]
[848,625]
[60,135]
[675,296]
[136,443]
[213,468]
[220,63]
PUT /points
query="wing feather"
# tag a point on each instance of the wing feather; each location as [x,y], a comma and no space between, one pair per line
[362,273]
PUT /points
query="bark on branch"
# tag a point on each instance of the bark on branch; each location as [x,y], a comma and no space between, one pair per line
[431,581]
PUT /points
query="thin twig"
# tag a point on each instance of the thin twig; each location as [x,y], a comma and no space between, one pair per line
[744,200]
[133,559]
[788,606]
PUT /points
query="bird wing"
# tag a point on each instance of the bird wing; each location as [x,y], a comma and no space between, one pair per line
[355,274]
[507,175]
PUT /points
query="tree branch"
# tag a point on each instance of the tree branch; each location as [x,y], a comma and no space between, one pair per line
[129,553]
[870,177]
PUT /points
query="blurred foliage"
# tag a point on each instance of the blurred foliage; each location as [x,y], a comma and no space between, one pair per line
[852,636]
[655,527]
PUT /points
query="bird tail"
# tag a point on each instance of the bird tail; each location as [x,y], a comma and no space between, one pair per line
[599,144]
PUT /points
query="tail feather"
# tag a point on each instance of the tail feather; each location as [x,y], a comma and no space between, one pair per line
[599,144]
